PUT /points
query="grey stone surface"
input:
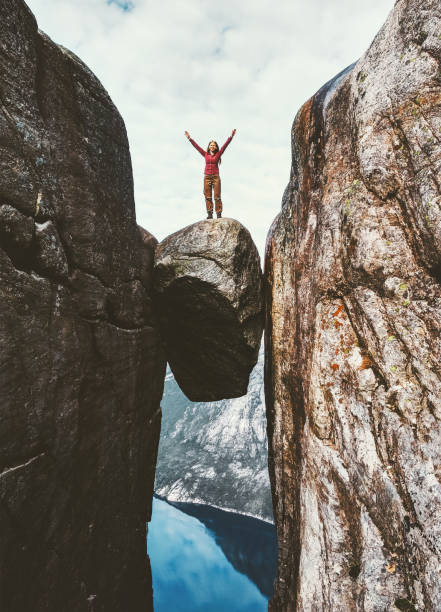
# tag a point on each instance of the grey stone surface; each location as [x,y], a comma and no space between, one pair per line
[82,367]
[50,258]
[353,333]
[16,231]
[208,288]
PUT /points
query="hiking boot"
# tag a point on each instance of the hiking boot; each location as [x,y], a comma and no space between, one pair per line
[210,215]
[219,215]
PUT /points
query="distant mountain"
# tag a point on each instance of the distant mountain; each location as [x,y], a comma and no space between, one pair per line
[215,453]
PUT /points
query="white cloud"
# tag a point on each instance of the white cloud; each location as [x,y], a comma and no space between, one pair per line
[207,68]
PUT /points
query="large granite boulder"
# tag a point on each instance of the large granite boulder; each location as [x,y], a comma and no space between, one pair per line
[208,287]
[353,271]
[82,368]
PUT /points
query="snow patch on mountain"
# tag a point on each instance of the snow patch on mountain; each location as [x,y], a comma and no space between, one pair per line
[216,453]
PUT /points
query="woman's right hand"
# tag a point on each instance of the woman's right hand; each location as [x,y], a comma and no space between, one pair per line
[187,134]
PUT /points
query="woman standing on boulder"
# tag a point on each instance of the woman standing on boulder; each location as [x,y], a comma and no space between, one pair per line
[212,158]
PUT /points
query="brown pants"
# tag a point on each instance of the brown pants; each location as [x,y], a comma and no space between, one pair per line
[212,181]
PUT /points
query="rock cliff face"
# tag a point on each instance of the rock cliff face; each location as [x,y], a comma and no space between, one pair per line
[353,272]
[82,369]
[216,453]
[208,288]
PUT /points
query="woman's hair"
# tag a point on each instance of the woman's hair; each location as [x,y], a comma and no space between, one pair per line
[217,148]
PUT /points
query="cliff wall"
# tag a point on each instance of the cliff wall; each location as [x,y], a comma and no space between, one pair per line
[82,368]
[353,349]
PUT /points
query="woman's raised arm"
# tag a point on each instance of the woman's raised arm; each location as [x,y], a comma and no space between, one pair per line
[195,144]
[227,143]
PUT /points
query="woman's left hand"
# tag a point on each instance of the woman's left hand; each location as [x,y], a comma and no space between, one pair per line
[232,133]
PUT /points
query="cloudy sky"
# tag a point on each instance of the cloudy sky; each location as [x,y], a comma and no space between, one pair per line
[208,67]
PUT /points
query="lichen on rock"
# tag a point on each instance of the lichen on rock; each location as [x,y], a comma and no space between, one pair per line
[208,291]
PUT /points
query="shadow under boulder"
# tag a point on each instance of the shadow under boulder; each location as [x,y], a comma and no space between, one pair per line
[208,291]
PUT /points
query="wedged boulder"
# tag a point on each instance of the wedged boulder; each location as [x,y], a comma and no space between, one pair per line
[353,333]
[82,366]
[208,292]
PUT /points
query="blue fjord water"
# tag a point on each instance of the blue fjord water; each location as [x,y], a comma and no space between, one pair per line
[206,559]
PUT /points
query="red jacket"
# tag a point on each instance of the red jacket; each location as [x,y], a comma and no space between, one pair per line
[211,161]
